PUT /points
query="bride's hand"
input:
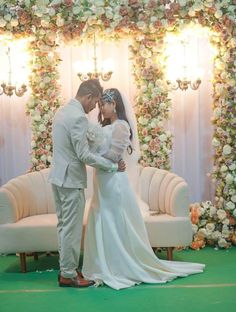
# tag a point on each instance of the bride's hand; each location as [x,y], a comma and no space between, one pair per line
[121,165]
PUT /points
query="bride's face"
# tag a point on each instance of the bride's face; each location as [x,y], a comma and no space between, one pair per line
[107,109]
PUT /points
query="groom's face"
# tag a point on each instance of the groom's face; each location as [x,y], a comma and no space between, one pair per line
[91,102]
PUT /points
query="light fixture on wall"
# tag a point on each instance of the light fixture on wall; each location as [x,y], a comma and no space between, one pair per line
[7,87]
[184,84]
[183,72]
[95,73]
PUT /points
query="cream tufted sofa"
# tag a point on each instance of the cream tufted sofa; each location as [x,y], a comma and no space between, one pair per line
[28,220]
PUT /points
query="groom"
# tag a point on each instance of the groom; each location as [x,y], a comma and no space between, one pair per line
[69,179]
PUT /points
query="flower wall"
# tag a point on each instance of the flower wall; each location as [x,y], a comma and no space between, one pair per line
[146,22]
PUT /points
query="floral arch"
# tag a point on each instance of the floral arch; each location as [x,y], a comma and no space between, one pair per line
[146,22]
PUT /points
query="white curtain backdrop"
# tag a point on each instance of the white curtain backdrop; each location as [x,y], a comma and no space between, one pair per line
[190,122]
[14,137]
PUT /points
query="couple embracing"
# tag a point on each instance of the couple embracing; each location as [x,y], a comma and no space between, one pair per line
[117,251]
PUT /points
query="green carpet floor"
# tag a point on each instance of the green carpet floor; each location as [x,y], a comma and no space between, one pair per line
[37,290]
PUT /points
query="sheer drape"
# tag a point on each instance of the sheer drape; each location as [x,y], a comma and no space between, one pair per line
[190,123]
[14,137]
[191,126]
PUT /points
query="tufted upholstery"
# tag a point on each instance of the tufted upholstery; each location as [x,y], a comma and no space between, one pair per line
[28,220]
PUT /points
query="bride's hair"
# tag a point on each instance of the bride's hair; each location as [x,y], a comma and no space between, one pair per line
[109,96]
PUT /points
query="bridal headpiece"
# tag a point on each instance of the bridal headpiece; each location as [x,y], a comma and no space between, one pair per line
[108,95]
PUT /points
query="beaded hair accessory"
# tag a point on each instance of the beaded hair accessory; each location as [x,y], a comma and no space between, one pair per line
[108,95]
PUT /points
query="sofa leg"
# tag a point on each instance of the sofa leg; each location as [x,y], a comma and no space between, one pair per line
[170,253]
[36,257]
[23,262]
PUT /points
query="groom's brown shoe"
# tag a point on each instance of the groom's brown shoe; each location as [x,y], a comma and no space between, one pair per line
[79,275]
[74,282]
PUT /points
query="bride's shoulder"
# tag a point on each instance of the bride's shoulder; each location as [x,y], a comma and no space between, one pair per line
[121,123]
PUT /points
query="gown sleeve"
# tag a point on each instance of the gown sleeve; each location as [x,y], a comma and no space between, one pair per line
[119,142]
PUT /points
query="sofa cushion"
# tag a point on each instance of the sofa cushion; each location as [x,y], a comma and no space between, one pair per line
[157,224]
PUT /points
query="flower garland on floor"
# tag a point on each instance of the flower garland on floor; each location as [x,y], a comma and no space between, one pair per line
[147,21]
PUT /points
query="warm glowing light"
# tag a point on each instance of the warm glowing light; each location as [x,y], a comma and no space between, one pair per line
[183,70]
[14,62]
[92,68]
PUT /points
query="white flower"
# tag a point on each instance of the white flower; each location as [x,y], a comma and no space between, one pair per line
[7,17]
[203,232]
[202,210]
[60,21]
[76,10]
[2,22]
[218,14]
[217,112]
[221,214]
[14,22]
[215,142]
[34,161]
[44,23]
[216,235]
[203,222]
[46,79]
[51,12]
[212,211]
[230,205]
[141,25]
[43,158]
[233,198]
[195,228]
[42,128]
[232,167]
[229,178]
[225,221]
[147,138]
[33,144]
[234,213]
[227,149]
[37,117]
[49,159]
[143,121]
[223,168]
[222,243]
[210,227]
[162,137]
[146,53]
[144,147]
[44,103]
[153,124]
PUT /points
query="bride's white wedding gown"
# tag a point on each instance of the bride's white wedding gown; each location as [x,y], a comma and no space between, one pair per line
[117,251]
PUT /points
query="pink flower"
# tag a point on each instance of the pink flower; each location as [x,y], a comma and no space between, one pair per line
[123,11]
[144,132]
[68,2]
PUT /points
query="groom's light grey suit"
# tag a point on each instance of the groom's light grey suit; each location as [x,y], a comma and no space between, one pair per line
[68,177]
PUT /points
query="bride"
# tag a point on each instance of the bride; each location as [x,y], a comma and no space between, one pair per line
[117,251]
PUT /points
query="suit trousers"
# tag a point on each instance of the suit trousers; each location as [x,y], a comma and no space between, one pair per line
[70,203]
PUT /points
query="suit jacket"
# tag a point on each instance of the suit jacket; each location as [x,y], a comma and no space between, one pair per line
[71,150]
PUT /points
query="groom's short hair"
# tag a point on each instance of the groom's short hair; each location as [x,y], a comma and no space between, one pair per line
[91,86]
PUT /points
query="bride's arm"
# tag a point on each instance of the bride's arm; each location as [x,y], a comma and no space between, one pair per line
[120,141]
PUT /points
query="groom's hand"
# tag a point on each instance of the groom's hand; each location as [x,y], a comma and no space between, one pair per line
[121,165]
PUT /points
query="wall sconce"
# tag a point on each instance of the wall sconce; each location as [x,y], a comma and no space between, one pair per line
[8,88]
[95,73]
[182,71]
[184,84]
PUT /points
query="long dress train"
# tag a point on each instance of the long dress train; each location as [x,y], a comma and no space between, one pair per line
[117,251]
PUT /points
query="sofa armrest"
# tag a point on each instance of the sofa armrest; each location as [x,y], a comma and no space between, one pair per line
[8,209]
[179,201]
